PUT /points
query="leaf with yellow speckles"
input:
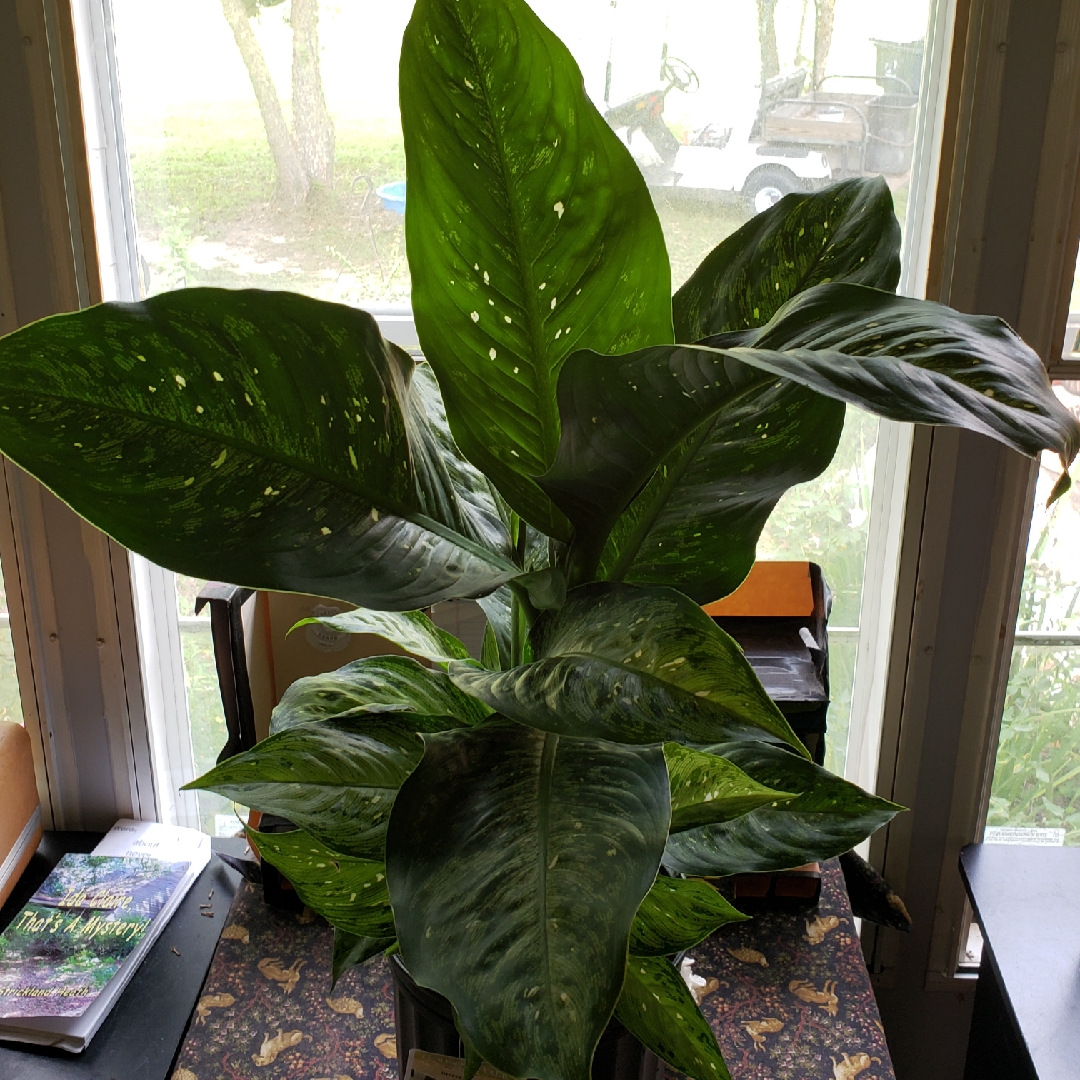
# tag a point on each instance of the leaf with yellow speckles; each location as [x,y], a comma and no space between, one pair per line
[902,359]
[657,1008]
[632,664]
[519,194]
[828,816]
[516,861]
[337,779]
[676,914]
[374,685]
[350,893]
[285,445]
[707,789]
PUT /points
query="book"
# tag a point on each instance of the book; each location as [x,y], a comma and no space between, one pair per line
[69,953]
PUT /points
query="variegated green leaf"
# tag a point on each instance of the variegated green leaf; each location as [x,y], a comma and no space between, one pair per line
[517,860]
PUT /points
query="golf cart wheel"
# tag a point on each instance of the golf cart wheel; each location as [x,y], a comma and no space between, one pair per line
[767,186]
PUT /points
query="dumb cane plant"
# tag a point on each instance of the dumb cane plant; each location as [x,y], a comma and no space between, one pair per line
[589,458]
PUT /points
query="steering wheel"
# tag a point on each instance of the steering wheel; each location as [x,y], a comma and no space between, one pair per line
[680,75]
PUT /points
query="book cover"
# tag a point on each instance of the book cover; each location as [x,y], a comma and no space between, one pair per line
[76,931]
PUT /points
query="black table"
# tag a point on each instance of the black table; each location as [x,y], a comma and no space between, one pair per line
[1026,1020]
[140,1037]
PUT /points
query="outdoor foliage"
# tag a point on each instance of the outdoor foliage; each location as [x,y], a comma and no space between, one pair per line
[592,459]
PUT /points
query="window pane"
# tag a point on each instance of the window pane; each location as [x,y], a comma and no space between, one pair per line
[205,712]
[212,209]
[826,521]
[10,702]
[1037,771]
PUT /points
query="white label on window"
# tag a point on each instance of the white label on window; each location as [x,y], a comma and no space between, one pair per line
[1008,834]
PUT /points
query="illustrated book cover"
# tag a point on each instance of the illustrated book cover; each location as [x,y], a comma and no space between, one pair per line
[68,954]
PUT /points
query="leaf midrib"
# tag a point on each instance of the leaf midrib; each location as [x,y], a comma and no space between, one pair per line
[393,507]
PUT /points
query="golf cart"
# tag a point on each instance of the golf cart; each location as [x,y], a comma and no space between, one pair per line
[708,160]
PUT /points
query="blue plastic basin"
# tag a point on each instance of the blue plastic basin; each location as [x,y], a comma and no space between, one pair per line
[392,196]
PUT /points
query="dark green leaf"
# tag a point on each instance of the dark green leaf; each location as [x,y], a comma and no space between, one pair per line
[505,834]
[496,606]
[706,789]
[350,950]
[657,1008]
[917,361]
[676,914]
[530,232]
[545,589]
[696,523]
[633,665]
[625,417]
[848,232]
[425,699]
[337,779]
[267,439]
[829,816]
[412,630]
[349,893]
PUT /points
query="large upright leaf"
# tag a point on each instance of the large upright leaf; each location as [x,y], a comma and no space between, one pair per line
[904,359]
[379,684]
[632,665]
[656,1007]
[516,861]
[263,438]
[829,816]
[337,779]
[348,892]
[848,232]
[530,232]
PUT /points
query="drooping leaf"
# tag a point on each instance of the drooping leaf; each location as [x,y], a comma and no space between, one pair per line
[848,232]
[412,630]
[336,779]
[829,816]
[917,361]
[677,914]
[657,1008]
[351,950]
[505,834]
[349,893]
[626,417]
[633,665]
[424,698]
[261,438]
[530,232]
[707,789]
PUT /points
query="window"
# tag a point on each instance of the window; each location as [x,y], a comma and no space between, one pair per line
[200,194]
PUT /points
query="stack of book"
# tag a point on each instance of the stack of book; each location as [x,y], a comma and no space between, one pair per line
[68,954]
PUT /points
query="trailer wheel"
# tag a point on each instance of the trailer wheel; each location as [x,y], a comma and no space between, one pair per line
[766,186]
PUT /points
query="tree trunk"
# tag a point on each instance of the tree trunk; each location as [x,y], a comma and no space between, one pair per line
[311,119]
[823,27]
[291,183]
[766,23]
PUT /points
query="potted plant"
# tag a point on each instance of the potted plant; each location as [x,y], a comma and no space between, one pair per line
[591,459]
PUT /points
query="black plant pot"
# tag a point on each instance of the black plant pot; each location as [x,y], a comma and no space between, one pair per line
[425,1021]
